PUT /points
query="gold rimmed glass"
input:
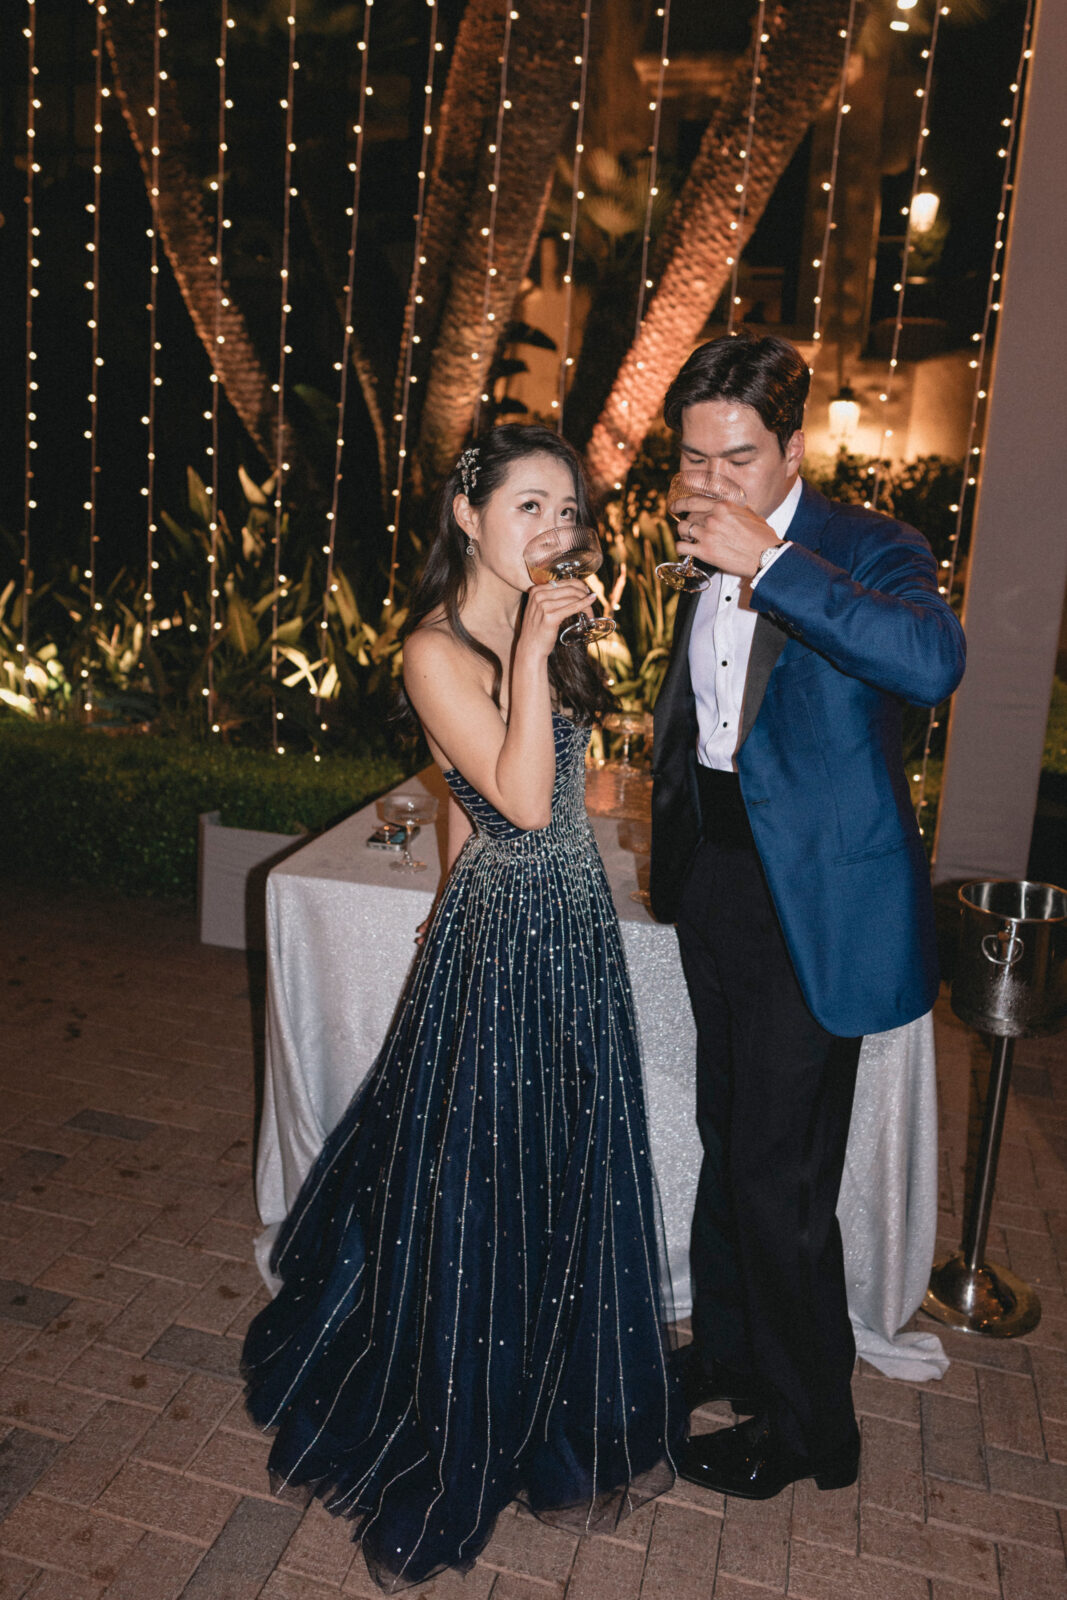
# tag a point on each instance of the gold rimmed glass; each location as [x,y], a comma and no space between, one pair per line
[410,809]
[569,551]
[691,484]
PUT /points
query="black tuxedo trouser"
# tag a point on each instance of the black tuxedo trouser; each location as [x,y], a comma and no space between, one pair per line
[774,1097]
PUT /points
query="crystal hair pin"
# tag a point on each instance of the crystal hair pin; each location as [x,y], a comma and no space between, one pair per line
[468,468]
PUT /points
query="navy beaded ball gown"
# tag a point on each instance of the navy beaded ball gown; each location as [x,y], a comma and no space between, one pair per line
[470,1311]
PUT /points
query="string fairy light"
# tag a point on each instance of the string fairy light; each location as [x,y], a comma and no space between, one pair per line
[900,288]
[488,332]
[218,185]
[342,366]
[33,168]
[577,195]
[281,466]
[829,185]
[644,282]
[414,301]
[741,189]
[155,382]
[979,364]
[100,93]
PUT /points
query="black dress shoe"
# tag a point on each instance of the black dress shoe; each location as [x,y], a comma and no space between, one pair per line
[702,1385]
[753,1462]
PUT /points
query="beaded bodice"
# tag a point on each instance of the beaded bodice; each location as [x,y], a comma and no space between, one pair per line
[569,824]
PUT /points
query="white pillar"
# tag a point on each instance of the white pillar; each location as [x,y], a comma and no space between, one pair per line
[1018,563]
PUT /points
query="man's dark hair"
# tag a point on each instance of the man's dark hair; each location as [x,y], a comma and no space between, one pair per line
[768,374]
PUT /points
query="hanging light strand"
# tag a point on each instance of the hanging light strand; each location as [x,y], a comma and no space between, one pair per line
[918,171]
[830,183]
[281,466]
[644,282]
[154,380]
[33,168]
[95,359]
[980,363]
[342,366]
[741,189]
[571,237]
[414,301]
[218,338]
[488,334]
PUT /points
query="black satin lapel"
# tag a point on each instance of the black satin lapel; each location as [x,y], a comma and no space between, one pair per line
[683,622]
[768,642]
[676,686]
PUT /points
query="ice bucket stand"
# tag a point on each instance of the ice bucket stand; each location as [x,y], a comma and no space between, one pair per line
[1009,983]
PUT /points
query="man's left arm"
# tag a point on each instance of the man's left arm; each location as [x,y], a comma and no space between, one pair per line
[882,620]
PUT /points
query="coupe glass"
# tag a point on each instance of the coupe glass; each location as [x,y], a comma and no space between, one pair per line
[569,552]
[410,810]
[685,485]
[631,724]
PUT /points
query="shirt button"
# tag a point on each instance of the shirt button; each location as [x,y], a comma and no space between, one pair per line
[724,663]
[726,724]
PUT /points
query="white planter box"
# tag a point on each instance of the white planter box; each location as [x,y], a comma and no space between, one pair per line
[232,881]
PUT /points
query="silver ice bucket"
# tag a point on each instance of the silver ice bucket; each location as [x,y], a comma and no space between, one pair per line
[1011,973]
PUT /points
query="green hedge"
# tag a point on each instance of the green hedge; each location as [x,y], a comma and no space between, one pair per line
[84,807]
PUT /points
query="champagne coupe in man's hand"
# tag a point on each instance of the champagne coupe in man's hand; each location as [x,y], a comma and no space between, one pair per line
[410,810]
[687,485]
[568,552]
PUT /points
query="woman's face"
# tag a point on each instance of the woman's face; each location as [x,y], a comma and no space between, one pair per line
[537,493]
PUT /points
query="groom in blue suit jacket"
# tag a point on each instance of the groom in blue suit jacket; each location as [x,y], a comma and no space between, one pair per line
[785,846]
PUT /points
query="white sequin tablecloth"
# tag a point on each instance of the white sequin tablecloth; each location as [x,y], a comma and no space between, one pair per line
[340,940]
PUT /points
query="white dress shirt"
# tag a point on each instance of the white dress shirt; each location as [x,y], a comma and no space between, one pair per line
[719,647]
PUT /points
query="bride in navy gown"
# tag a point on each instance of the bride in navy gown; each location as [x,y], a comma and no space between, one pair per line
[470,1311]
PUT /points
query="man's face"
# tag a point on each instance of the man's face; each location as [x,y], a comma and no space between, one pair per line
[730,438]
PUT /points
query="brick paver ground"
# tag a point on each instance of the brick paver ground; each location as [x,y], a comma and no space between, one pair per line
[128,1061]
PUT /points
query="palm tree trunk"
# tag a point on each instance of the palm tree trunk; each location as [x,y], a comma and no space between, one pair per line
[370,345]
[800,67]
[186,231]
[543,78]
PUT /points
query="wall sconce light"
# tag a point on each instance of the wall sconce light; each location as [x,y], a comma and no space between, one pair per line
[844,417]
[924,209]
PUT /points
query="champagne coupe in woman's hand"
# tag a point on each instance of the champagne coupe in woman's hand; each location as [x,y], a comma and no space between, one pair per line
[568,552]
[410,810]
[684,486]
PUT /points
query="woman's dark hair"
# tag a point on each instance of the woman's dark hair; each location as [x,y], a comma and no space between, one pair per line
[576,680]
[768,374]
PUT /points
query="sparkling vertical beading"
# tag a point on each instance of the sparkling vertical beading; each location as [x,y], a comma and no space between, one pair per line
[470,1311]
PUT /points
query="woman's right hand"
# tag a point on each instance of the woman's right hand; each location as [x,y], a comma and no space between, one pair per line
[548,605]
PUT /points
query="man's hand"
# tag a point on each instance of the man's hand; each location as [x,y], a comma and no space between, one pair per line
[726,536]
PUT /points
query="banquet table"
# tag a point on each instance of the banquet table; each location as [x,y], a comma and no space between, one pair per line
[341,929]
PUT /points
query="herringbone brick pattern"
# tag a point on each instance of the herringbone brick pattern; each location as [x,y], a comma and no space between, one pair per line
[128,1063]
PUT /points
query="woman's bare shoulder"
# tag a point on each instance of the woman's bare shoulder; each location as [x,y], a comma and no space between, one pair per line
[436,662]
[431,643]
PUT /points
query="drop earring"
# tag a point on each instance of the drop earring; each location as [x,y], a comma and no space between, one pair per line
[470,547]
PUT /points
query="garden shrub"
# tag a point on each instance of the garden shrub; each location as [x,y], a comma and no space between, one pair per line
[121,811]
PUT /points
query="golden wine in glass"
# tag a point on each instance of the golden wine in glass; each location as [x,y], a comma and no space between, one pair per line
[691,484]
[569,551]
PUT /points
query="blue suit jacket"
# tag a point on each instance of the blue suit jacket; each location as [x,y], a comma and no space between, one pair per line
[850,625]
